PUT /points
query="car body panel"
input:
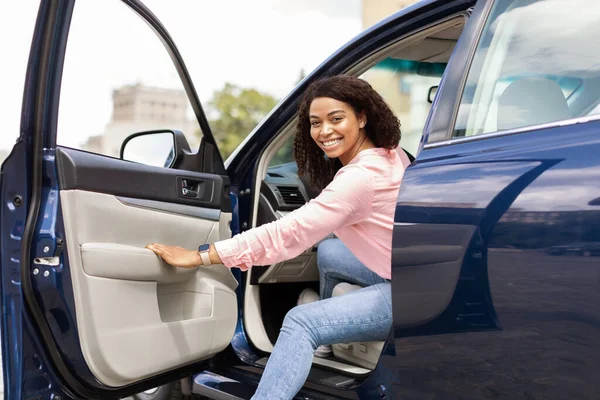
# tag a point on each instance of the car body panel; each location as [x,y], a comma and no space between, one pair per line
[521,323]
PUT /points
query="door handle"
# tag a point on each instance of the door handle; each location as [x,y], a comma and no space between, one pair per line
[196,189]
[189,193]
[189,188]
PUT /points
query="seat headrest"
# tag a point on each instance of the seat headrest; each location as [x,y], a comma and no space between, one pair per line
[531,101]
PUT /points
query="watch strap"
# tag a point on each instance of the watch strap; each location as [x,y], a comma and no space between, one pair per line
[205,258]
[203,250]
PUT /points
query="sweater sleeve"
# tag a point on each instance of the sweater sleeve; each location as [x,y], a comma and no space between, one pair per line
[347,200]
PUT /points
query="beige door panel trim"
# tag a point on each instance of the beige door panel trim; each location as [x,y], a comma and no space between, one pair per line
[137,316]
[106,260]
[132,331]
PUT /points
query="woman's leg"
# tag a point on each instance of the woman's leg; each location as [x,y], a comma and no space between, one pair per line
[337,264]
[358,316]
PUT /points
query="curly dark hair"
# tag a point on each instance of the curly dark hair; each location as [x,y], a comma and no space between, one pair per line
[382,128]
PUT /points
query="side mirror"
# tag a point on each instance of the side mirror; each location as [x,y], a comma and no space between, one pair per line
[160,148]
[432,93]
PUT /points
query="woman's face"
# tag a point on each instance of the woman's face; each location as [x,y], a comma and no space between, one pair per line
[336,128]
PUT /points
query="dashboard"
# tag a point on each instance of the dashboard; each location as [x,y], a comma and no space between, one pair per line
[284,189]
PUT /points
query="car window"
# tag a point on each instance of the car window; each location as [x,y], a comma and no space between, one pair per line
[138,88]
[408,86]
[526,74]
[285,154]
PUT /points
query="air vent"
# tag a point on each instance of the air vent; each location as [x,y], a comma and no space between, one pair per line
[291,195]
[274,175]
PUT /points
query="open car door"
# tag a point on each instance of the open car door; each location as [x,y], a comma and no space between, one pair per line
[88,312]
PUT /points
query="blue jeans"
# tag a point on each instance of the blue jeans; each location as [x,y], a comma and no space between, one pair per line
[358,316]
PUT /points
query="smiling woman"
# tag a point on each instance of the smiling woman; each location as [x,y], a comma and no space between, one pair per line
[346,139]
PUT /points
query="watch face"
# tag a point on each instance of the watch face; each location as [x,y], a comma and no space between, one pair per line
[204,247]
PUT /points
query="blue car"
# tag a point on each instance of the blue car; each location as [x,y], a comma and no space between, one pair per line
[500,105]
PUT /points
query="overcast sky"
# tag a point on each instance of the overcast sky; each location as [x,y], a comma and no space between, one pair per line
[260,43]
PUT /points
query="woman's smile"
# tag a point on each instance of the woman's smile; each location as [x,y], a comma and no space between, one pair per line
[331,143]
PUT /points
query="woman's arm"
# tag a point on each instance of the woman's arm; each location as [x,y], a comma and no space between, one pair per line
[345,201]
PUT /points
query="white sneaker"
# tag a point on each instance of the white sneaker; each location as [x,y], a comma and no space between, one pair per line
[310,296]
[307,296]
[324,351]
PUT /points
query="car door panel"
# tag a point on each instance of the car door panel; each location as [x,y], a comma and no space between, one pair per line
[473,200]
[523,320]
[512,301]
[93,313]
[126,298]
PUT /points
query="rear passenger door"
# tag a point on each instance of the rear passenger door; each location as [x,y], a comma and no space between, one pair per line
[494,216]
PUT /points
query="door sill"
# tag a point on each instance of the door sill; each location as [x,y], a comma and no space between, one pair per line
[221,387]
[333,365]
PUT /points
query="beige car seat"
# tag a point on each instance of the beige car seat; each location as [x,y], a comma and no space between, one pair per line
[364,354]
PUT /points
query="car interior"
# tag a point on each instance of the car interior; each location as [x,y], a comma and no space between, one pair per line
[271,291]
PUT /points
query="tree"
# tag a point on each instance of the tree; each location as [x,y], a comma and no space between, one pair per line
[237,111]
[301,76]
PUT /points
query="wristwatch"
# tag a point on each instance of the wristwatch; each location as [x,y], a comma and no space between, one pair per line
[203,251]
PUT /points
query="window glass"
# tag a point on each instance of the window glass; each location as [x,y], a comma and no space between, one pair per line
[527,73]
[285,154]
[137,88]
[406,85]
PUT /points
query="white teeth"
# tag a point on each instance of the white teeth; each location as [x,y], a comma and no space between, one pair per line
[331,142]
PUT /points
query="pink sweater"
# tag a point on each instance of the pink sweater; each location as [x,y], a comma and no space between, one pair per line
[358,206]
